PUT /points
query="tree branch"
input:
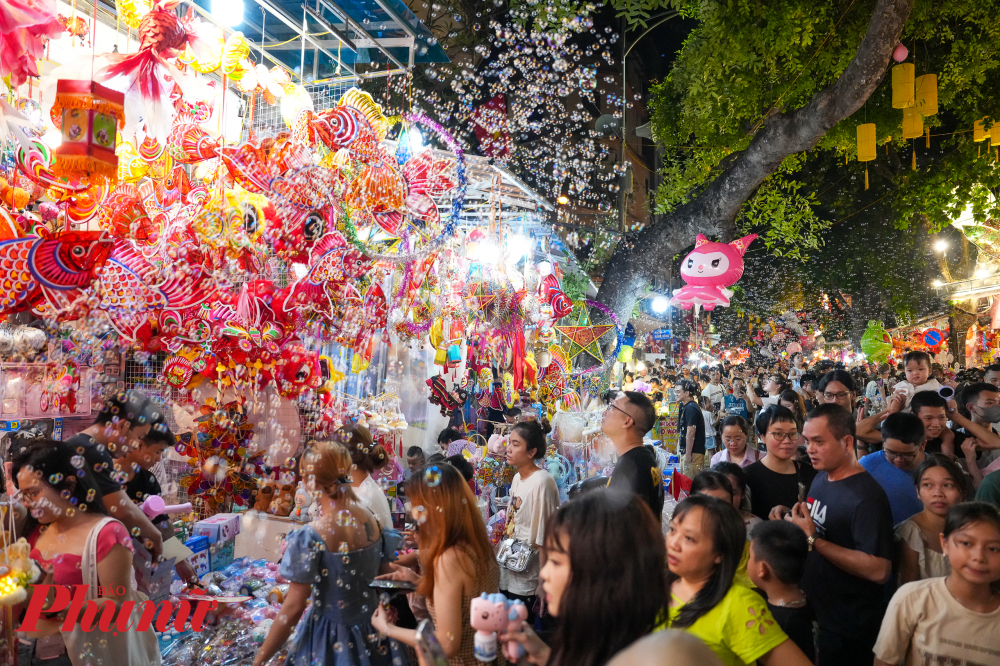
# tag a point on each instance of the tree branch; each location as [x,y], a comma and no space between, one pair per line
[714,210]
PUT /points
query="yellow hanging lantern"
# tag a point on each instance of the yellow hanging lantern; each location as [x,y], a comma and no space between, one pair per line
[91,115]
[866,142]
[866,146]
[979,133]
[913,124]
[902,85]
[926,95]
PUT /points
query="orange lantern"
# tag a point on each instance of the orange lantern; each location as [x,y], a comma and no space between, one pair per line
[91,115]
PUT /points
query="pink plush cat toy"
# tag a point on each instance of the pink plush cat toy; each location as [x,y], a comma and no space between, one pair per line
[708,270]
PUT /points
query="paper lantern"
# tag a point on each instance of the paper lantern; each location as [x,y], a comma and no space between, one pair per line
[902,85]
[543,358]
[979,133]
[866,142]
[625,355]
[913,124]
[926,95]
[91,115]
[866,146]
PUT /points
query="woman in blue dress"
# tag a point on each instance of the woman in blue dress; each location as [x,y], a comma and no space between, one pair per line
[332,560]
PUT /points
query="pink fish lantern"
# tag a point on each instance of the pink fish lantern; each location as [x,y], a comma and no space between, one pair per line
[708,271]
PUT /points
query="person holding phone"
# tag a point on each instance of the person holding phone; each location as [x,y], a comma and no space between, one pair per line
[456,558]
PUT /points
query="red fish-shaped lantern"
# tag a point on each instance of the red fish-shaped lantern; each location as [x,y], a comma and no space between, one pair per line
[34,267]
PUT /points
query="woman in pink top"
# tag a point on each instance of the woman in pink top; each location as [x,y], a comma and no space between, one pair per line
[64,505]
[735,432]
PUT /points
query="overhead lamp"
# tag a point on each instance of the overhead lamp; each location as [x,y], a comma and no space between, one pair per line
[562,200]
[517,246]
[660,304]
[228,12]
[941,245]
[937,283]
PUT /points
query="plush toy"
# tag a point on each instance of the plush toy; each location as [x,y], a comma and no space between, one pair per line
[264,496]
[283,501]
[708,270]
[303,500]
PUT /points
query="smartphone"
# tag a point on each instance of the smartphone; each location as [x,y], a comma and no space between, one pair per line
[395,585]
[427,644]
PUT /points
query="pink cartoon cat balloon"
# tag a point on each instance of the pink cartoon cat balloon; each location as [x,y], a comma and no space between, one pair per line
[708,270]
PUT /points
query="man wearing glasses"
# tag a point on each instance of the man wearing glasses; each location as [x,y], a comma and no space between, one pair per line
[626,421]
[690,428]
[903,441]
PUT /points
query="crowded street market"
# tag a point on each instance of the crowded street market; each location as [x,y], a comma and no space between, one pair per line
[388,333]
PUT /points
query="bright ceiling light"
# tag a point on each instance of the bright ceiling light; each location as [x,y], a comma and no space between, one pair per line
[937,283]
[660,305]
[941,245]
[228,12]
[563,200]
[517,246]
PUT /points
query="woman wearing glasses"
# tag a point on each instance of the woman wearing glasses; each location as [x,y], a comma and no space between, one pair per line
[735,432]
[777,478]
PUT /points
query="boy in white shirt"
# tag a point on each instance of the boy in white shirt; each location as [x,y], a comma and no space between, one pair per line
[917,365]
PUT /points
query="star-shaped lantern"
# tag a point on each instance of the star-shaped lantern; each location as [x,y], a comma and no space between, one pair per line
[583,337]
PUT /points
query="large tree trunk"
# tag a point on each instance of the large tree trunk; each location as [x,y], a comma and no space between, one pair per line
[961,318]
[713,212]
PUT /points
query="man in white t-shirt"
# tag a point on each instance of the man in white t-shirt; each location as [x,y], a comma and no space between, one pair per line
[714,391]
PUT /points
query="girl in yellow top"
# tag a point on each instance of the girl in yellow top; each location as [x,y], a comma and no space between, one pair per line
[704,545]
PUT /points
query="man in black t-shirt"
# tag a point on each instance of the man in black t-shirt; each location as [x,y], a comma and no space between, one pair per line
[627,419]
[135,473]
[848,522]
[690,428]
[124,420]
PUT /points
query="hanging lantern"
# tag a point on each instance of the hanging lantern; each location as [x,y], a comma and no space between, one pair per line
[625,355]
[913,124]
[926,95]
[91,115]
[866,146]
[902,85]
[979,133]
[543,358]
[866,142]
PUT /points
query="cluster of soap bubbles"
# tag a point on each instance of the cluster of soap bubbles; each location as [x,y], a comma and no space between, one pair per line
[553,91]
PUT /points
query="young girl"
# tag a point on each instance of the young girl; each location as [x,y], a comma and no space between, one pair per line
[598,614]
[456,558]
[735,434]
[534,497]
[953,619]
[738,478]
[940,486]
[65,508]
[332,560]
[366,457]
[704,545]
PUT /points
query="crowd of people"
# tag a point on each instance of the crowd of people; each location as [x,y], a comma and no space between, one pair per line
[832,516]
